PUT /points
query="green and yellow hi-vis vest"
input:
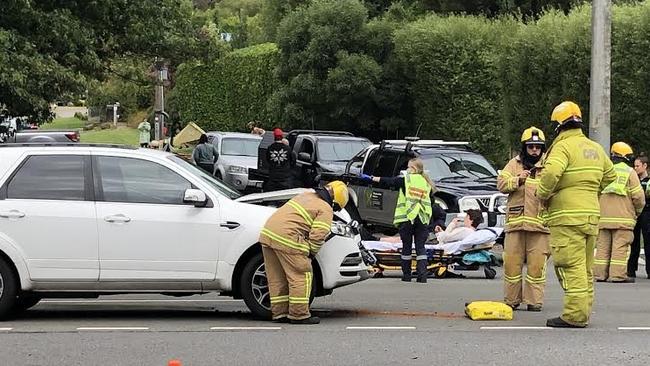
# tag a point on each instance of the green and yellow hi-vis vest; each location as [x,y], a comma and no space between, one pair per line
[619,186]
[414,201]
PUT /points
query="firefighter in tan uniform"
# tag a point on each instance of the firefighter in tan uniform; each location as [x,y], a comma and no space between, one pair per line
[527,239]
[290,238]
[621,203]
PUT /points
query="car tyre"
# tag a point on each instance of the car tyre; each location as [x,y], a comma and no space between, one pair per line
[8,289]
[254,288]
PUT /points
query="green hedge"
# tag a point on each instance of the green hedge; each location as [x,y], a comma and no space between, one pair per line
[230,92]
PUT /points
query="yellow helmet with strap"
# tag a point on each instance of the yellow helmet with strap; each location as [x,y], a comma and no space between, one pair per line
[339,192]
[533,136]
[566,112]
[621,149]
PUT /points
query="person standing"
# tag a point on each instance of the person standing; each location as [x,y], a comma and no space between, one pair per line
[145,133]
[278,157]
[642,227]
[205,155]
[527,239]
[412,214]
[620,204]
[574,172]
[290,238]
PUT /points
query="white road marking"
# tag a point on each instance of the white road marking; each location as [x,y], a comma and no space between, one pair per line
[129,301]
[112,328]
[633,328]
[380,328]
[514,328]
[5,329]
[245,328]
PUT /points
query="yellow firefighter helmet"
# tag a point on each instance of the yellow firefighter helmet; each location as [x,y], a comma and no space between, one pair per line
[566,112]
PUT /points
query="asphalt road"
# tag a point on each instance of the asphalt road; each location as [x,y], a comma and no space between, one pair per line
[378,322]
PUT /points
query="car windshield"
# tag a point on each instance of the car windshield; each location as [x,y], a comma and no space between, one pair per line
[340,149]
[457,165]
[240,146]
[214,182]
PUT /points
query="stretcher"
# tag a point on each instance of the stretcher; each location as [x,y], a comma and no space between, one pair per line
[471,254]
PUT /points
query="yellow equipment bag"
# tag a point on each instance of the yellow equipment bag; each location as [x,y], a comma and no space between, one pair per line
[488,310]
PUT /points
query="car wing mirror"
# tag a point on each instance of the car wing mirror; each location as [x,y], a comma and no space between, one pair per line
[195,197]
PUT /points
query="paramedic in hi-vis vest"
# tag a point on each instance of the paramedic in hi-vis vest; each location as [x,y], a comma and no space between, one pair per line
[620,204]
[290,238]
[575,170]
[412,214]
[526,236]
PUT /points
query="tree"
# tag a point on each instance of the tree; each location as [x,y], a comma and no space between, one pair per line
[54,47]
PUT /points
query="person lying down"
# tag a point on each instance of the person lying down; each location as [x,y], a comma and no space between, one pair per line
[460,229]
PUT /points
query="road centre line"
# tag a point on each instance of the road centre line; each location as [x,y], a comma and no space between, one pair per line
[633,328]
[381,328]
[6,329]
[127,301]
[514,328]
[245,328]
[111,328]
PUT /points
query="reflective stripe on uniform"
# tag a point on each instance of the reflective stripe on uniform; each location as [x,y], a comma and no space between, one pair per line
[284,241]
[321,225]
[301,211]
[525,219]
[601,261]
[619,186]
[560,213]
[512,279]
[279,299]
[593,169]
[618,220]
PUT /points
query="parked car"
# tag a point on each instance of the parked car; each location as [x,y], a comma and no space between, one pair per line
[315,153]
[464,179]
[237,154]
[83,220]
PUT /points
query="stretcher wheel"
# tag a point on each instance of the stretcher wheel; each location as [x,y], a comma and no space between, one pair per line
[490,272]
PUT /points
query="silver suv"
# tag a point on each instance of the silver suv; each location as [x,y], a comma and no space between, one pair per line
[237,154]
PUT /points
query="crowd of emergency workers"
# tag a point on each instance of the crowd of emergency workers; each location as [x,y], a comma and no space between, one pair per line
[569,201]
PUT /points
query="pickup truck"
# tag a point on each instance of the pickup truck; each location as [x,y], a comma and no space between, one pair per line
[316,154]
[40,136]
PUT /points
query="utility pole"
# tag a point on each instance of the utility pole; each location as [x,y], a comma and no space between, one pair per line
[601,57]
[159,103]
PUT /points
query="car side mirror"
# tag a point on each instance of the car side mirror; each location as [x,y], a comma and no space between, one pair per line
[304,157]
[195,197]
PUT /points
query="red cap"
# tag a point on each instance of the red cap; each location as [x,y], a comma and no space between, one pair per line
[277,133]
[174,363]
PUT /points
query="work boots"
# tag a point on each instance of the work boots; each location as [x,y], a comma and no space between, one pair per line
[406,270]
[559,323]
[422,271]
[308,321]
[536,307]
[627,280]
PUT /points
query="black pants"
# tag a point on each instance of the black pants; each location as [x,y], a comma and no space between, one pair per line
[642,228]
[407,232]
[144,144]
[208,168]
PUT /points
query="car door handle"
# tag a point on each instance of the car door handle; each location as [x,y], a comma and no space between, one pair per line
[117,218]
[230,225]
[13,214]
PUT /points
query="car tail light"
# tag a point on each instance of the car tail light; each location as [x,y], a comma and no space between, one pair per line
[74,136]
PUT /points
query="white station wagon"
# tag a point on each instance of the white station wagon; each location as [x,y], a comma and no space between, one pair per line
[89,220]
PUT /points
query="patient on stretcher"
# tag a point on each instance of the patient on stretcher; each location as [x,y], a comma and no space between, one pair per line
[458,230]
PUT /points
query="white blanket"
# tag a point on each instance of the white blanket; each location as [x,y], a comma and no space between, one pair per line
[481,236]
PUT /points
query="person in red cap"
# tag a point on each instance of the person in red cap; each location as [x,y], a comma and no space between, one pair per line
[278,157]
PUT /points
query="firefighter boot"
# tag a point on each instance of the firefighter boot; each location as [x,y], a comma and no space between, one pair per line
[406,270]
[559,323]
[307,321]
[422,270]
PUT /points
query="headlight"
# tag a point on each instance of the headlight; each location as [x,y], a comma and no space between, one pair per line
[441,203]
[468,204]
[341,229]
[237,169]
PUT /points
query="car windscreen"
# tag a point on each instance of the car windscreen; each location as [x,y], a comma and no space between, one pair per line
[214,182]
[448,165]
[239,146]
[340,149]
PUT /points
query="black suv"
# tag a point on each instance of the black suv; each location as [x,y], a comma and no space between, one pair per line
[314,153]
[464,179]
